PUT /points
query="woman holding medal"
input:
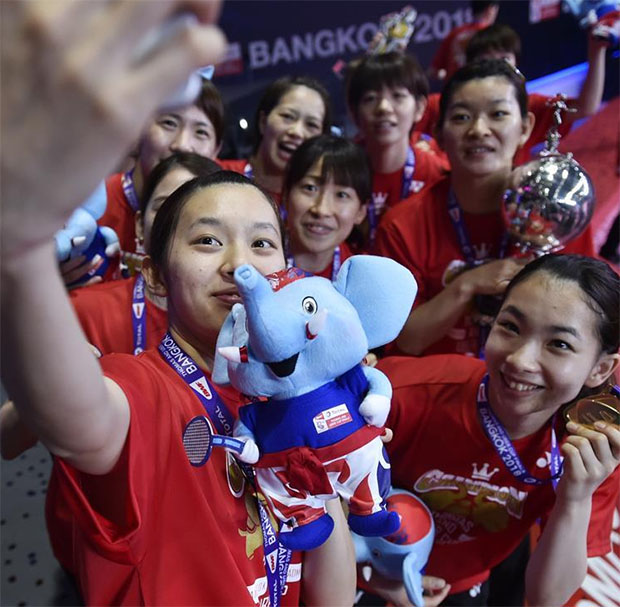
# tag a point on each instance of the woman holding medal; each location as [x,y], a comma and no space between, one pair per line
[555,340]
[326,190]
[452,238]
[116,426]
[291,110]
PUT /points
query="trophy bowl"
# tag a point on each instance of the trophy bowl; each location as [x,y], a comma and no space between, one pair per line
[549,202]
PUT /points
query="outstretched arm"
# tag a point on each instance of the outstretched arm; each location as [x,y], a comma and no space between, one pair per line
[558,565]
[56,384]
[430,321]
[591,93]
[70,107]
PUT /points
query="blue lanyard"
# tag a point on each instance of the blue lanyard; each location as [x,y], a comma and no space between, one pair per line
[277,558]
[130,191]
[458,222]
[248,171]
[336,263]
[455,212]
[498,436]
[408,171]
[373,208]
[138,315]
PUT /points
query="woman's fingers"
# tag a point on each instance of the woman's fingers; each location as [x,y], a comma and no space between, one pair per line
[72,105]
[435,590]
[191,45]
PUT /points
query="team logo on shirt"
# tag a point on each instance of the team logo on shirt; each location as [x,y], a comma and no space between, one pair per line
[331,418]
[475,498]
[483,473]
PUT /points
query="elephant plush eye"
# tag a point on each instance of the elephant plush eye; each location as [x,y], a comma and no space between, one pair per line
[309,305]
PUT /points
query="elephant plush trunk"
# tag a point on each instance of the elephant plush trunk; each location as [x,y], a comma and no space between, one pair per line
[269,324]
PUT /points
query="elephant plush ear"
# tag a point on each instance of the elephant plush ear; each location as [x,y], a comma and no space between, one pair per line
[382,291]
[219,375]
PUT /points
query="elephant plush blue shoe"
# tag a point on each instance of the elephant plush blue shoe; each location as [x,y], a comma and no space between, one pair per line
[402,555]
[297,342]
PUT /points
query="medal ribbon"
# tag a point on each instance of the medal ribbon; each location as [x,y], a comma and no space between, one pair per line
[277,558]
[130,191]
[405,190]
[457,218]
[138,315]
[498,436]
[336,263]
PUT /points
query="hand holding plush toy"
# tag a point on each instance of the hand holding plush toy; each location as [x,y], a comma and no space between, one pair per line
[82,236]
[297,340]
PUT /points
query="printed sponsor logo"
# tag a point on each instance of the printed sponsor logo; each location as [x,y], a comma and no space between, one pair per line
[200,385]
[378,200]
[331,418]
[416,186]
[272,561]
[138,309]
[259,587]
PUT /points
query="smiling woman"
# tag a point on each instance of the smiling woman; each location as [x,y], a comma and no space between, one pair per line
[453,237]
[386,96]
[555,340]
[326,193]
[290,111]
[109,471]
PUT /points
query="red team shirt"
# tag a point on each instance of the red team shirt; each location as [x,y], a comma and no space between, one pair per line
[328,271]
[105,314]
[419,235]
[481,511]
[118,214]
[387,187]
[156,530]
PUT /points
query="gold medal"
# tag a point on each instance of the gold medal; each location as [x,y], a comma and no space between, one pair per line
[600,407]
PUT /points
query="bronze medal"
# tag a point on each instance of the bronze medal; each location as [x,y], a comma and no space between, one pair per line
[600,407]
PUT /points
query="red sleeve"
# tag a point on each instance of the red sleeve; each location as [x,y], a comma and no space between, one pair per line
[235,165]
[604,502]
[442,57]
[429,119]
[107,507]
[118,214]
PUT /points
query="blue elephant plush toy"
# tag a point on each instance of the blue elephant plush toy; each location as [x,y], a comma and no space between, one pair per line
[402,555]
[82,236]
[297,342]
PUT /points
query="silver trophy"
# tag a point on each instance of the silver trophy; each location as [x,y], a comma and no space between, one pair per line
[551,199]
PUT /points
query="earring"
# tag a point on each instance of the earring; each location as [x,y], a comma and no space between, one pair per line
[140,245]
